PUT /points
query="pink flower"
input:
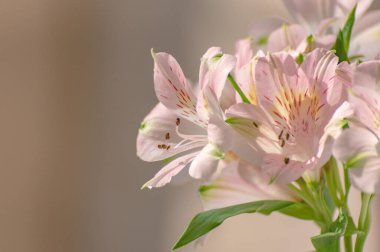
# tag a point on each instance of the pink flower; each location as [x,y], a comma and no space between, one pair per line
[294,123]
[187,122]
[359,146]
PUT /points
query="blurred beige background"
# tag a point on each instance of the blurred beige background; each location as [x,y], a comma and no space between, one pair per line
[76,80]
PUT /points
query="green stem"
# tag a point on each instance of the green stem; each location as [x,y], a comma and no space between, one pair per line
[317,202]
[238,89]
[364,221]
[348,243]
[347,186]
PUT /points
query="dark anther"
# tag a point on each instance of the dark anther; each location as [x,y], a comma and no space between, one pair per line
[279,136]
[178,121]
[167,136]
[286,160]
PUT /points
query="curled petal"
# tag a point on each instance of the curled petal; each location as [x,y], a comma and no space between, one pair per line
[165,175]
[207,162]
[214,69]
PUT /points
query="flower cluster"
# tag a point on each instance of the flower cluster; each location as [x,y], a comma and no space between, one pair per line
[276,125]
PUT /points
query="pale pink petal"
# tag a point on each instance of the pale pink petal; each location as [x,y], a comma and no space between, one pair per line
[334,127]
[344,74]
[245,77]
[274,74]
[282,169]
[324,26]
[320,70]
[367,178]
[325,42]
[172,88]
[310,13]
[206,163]
[287,37]
[241,183]
[214,69]
[220,134]
[208,104]
[347,5]
[157,138]
[359,148]
[165,175]
[365,39]
[367,74]
[251,122]
[244,52]
[366,104]
[355,143]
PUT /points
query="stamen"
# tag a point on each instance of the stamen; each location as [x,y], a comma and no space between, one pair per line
[286,160]
[167,136]
[187,139]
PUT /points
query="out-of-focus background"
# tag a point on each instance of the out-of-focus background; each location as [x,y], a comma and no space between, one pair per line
[76,80]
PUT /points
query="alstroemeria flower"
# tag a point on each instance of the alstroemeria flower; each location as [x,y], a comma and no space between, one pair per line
[297,105]
[186,122]
[359,145]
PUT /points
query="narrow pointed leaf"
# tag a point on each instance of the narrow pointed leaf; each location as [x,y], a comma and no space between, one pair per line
[342,43]
[206,221]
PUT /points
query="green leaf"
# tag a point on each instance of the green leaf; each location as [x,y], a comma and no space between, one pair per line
[330,241]
[300,211]
[342,43]
[206,221]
